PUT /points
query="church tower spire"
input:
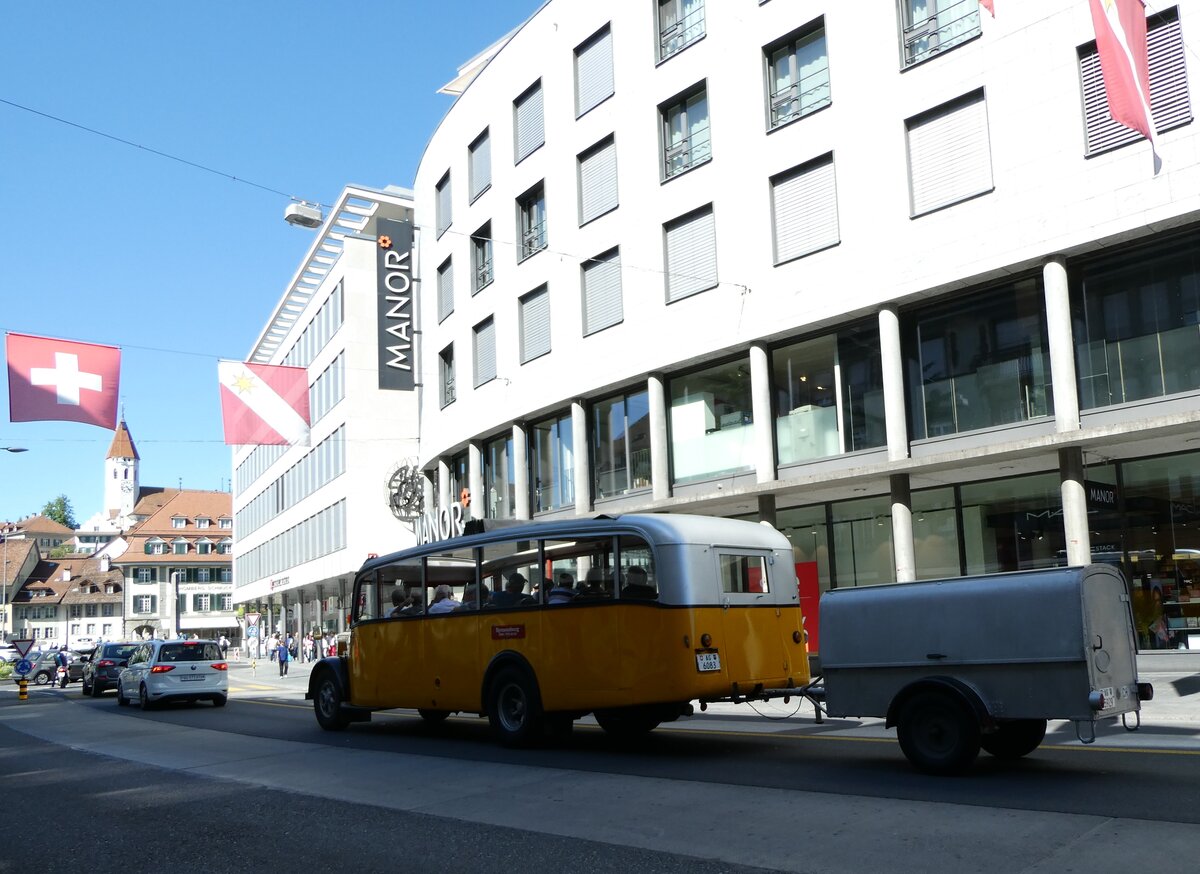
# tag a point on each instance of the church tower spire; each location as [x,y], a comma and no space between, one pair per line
[121,473]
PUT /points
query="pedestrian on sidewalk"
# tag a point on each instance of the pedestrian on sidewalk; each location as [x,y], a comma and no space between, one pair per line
[284,657]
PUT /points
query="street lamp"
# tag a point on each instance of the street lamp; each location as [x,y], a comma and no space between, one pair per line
[14,448]
[4,568]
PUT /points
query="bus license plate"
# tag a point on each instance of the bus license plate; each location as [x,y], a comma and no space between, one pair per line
[708,661]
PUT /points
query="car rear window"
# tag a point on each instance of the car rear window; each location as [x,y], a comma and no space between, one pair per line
[190,652]
[119,651]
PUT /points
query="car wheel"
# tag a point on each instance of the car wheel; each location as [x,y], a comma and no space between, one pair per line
[938,733]
[327,702]
[144,697]
[87,690]
[122,701]
[514,707]
[41,678]
[219,700]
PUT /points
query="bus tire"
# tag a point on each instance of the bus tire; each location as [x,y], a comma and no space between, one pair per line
[434,717]
[938,732]
[1014,738]
[514,707]
[327,702]
[628,721]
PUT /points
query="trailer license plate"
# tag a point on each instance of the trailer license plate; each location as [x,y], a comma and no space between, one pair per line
[708,661]
[1110,698]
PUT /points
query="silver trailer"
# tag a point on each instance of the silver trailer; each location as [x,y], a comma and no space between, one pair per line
[983,661]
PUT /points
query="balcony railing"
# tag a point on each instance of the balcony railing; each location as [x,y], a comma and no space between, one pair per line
[688,152]
[533,239]
[800,98]
[681,33]
[951,25]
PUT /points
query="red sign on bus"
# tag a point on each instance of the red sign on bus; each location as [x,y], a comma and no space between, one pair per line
[508,632]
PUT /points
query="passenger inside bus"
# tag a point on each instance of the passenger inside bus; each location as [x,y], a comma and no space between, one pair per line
[637,584]
[513,594]
[564,589]
[595,585]
[472,597]
[443,600]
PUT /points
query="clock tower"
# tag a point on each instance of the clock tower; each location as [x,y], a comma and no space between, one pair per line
[121,474]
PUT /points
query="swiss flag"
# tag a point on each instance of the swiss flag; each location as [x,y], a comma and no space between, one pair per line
[263,403]
[1124,61]
[62,381]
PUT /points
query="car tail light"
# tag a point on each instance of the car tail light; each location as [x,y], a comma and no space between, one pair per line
[161,669]
[220,666]
[105,663]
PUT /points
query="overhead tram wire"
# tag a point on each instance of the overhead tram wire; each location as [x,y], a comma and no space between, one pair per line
[157,152]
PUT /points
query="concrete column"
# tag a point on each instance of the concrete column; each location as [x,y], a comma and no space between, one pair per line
[1074,504]
[892,361]
[477,510]
[764,425]
[902,536]
[583,458]
[445,496]
[660,452]
[1062,345]
[520,468]
[766,509]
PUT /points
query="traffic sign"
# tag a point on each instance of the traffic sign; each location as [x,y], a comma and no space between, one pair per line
[24,666]
[22,645]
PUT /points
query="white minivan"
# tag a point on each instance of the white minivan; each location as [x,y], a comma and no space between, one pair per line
[174,670]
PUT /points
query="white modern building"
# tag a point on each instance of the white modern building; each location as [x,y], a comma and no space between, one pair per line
[889,278]
[308,516]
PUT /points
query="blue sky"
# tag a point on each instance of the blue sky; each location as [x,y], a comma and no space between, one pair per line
[111,244]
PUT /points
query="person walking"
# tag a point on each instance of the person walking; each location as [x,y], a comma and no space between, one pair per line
[284,657]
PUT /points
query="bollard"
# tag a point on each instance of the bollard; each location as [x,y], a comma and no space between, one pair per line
[254,667]
[22,689]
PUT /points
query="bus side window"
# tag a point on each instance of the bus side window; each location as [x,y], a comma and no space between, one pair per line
[638,580]
[366,599]
[447,576]
[743,574]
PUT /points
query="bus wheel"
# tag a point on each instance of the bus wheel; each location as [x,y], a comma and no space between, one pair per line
[938,733]
[327,703]
[436,717]
[1015,738]
[514,711]
[628,721]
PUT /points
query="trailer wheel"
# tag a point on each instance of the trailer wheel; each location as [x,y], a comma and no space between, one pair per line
[1015,738]
[938,732]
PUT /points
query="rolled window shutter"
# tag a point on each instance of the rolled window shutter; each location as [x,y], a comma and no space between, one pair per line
[445,290]
[481,165]
[598,182]
[805,211]
[602,292]
[593,72]
[535,324]
[485,352]
[950,157]
[691,255]
[529,124]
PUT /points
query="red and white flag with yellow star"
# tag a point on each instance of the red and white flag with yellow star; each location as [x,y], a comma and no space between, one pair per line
[263,403]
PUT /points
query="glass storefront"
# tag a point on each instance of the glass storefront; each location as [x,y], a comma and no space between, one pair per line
[978,362]
[620,435]
[552,458]
[828,395]
[712,426]
[1013,524]
[1137,325]
[499,484]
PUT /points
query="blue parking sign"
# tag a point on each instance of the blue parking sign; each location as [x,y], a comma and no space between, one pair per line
[24,666]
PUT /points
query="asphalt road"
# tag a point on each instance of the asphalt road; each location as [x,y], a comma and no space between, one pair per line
[720,791]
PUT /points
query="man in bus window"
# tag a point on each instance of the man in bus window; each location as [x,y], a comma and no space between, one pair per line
[474,597]
[564,589]
[443,600]
[514,592]
[593,585]
[637,584]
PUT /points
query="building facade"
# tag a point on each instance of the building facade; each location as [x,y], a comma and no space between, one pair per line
[895,283]
[308,516]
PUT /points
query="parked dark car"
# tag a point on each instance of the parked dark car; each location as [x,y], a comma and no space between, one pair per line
[100,672]
[45,668]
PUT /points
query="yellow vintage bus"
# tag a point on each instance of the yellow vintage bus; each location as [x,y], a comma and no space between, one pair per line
[630,618]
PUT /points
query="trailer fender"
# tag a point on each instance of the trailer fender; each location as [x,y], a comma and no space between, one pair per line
[960,689]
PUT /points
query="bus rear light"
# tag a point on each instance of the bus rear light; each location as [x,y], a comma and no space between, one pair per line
[706,640]
[161,669]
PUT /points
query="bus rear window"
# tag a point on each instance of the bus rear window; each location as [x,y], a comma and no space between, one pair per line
[743,574]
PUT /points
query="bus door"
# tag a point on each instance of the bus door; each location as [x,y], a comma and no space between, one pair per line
[450,673]
[757,634]
[581,626]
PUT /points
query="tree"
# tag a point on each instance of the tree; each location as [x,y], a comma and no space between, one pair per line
[60,511]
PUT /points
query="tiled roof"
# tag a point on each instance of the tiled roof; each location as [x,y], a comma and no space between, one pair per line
[44,525]
[122,444]
[16,552]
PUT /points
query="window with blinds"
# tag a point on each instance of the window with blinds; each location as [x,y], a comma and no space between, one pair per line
[691,244]
[479,159]
[949,154]
[593,70]
[804,210]
[483,341]
[602,292]
[444,216]
[1170,100]
[445,289]
[528,126]
[597,180]
[534,312]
